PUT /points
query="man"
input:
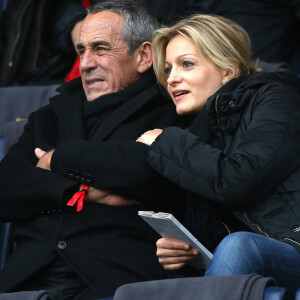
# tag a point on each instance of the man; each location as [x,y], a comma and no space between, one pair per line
[74,142]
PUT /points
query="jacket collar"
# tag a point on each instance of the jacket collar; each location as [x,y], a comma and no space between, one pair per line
[68,106]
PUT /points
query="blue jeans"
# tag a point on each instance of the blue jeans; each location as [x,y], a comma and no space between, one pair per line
[246,253]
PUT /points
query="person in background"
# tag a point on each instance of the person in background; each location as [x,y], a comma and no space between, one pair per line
[272,26]
[77,159]
[38,41]
[241,153]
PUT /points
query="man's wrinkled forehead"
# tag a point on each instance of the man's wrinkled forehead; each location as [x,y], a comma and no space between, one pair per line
[101,26]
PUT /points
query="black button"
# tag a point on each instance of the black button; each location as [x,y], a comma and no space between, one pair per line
[231,104]
[88,178]
[61,245]
[71,172]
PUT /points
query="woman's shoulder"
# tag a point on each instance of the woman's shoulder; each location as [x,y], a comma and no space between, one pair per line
[284,78]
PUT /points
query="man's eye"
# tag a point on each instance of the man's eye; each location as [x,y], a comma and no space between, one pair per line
[80,51]
[101,49]
[187,64]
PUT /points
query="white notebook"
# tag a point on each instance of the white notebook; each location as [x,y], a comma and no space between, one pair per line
[169,227]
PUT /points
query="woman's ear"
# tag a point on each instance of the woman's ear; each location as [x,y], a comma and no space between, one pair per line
[144,57]
[230,73]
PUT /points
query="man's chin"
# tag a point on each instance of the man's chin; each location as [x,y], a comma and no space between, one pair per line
[94,96]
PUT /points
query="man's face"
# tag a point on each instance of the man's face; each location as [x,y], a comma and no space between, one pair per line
[105,66]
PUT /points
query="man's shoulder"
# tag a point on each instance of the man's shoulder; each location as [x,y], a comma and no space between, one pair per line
[70,87]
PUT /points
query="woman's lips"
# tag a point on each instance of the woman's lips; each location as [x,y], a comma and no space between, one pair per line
[179,94]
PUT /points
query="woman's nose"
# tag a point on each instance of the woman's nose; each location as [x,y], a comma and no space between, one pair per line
[174,77]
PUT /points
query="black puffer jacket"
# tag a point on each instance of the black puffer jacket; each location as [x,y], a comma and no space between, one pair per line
[243,151]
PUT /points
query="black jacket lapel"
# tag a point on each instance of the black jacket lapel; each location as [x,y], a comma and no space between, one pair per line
[69,114]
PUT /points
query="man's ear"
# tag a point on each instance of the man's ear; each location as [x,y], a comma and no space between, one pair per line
[144,57]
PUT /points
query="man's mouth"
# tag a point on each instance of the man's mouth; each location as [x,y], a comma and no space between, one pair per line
[89,83]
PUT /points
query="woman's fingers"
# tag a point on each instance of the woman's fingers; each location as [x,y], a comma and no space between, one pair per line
[175,259]
[173,254]
[164,243]
[172,267]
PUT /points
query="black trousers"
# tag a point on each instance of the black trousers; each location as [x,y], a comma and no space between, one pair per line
[60,281]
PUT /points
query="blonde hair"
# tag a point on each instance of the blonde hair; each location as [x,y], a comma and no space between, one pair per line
[220,40]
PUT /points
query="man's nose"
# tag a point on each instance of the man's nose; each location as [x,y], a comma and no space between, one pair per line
[88,61]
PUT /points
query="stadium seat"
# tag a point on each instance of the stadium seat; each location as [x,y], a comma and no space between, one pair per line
[6,242]
[298,294]
[274,293]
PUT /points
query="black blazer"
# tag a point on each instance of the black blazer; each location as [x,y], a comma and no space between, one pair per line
[107,246]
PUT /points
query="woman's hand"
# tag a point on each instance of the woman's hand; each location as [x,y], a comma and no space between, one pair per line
[149,136]
[173,255]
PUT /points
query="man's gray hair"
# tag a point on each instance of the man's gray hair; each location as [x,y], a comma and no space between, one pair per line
[139,25]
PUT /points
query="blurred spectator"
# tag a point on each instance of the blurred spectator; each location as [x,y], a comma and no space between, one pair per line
[166,11]
[37,40]
[273,25]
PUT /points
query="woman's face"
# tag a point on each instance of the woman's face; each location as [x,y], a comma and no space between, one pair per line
[191,77]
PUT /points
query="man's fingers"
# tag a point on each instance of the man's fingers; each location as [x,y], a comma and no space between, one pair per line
[39,153]
[114,200]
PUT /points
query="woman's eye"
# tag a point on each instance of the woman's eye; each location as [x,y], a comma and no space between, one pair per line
[187,64]
[167,70]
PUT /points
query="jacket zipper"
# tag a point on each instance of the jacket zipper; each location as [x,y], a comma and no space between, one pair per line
[217,114]
[266,233]
[296,229]
[254,224]
[10,61]
[39,16]
[227,228]
[291,241]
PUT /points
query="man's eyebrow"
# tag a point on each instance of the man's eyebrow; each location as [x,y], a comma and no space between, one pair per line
[99,43]
[94,44]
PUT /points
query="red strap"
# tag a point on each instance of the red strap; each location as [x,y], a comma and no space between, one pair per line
[74,72]
[86,3]
[79,197]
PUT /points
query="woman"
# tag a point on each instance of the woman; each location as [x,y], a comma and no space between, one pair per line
[240,153]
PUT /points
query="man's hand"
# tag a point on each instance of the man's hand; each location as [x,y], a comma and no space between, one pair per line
[44,158]
[149,136]
[108,198]
[173,255]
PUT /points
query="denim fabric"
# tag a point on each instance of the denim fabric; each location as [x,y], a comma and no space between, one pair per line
[246,252]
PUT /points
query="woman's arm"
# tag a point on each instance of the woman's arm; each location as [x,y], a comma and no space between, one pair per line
[262,157]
